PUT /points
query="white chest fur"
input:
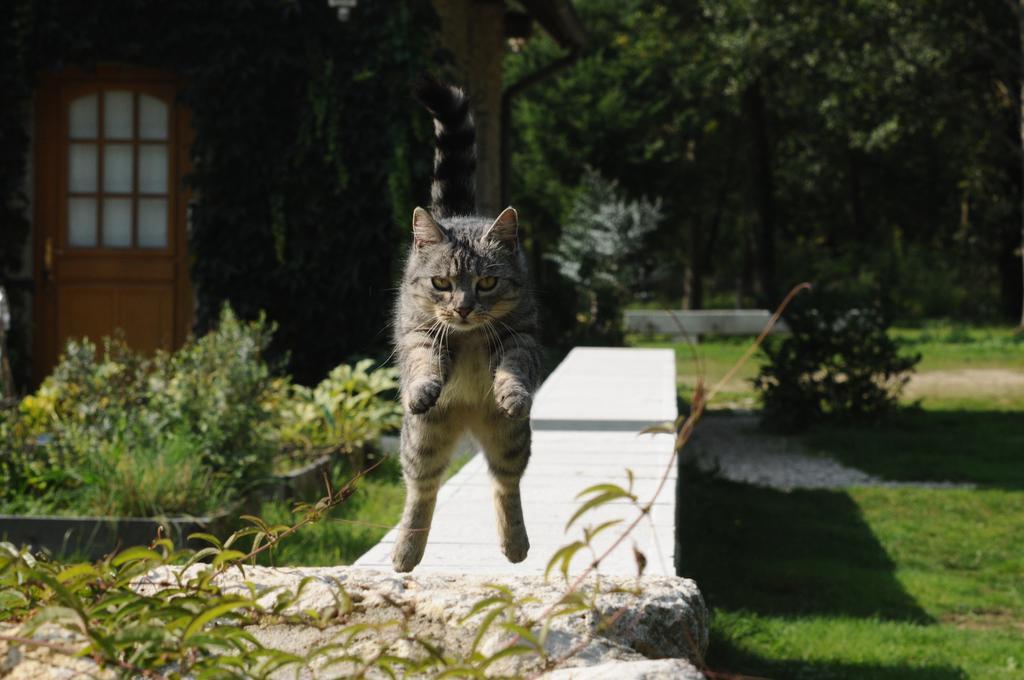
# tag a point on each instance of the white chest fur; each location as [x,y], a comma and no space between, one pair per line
[469,379]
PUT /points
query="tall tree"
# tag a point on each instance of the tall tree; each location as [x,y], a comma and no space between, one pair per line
[876,142]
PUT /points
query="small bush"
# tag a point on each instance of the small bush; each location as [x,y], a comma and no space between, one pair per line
[214,388]
[347,411]
[839,361]
[115,432]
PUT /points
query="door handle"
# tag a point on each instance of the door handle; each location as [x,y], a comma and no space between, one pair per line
[48,259]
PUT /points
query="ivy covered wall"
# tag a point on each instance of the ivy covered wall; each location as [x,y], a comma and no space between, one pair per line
[308,155]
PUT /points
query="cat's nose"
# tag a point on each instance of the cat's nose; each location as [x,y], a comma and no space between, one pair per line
[463,311]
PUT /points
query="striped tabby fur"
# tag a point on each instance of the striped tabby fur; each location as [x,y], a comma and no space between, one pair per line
[466,341]
[453,191]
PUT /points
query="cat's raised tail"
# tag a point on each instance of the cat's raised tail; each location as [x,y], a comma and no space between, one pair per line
[453,191]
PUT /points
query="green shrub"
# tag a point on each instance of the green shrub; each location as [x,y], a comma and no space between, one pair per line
[214,387]
[839,361]
[115,432]
[347,411]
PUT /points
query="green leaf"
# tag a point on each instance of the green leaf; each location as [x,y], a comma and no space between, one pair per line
[135,554]
[480,605]
[484,626]
[227,556]
[564,556]
[525,634]
[597,501]
[602,488]
[11,599]
[513,650]
[591,532]
[200,555]
[78,571]
[208,615]
[258,521]
[461,672]
[209,538]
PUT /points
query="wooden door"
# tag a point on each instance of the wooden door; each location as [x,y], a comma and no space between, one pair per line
[111,211]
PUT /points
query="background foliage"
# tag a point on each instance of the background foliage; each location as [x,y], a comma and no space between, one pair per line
[792,141]
[302,125]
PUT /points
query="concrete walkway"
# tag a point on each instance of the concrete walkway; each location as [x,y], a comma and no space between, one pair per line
[585,422]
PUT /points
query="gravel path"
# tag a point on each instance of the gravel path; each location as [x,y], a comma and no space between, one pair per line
[735,448]
[966,382]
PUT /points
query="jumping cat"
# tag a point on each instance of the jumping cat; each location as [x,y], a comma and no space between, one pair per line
[465,338]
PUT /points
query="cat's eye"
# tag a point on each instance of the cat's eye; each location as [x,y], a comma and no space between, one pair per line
[485,283]
[441,283]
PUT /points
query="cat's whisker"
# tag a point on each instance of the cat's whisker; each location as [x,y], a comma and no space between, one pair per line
[492,339]
[497,337]
[514,334]
[388,359]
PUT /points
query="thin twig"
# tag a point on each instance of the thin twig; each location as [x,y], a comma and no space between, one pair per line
[333,500]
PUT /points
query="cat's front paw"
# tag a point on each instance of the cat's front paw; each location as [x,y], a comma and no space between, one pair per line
[422,395]
[514,401]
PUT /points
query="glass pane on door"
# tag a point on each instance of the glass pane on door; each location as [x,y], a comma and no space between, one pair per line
[117,168]
[152,118]
[153,223]
[82,159]
[153,168]
[82,123]
[82,222]
[117,114]
[117,223]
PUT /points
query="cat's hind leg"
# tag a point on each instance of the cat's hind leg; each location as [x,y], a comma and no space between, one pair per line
[426,448]
[506,444]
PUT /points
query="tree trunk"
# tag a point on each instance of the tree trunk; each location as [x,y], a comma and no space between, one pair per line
[856,204]
[694,286]
[694,295]
[745,279]
[764,192]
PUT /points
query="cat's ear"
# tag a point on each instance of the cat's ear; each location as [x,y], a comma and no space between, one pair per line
[505,229]
[425,231]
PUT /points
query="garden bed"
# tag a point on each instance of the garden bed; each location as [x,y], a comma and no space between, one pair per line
[93,537]
[115,445]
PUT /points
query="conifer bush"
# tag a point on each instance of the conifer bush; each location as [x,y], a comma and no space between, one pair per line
[601,252]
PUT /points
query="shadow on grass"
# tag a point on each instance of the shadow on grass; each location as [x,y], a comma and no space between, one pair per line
[981,447]
[739,661]
[777,553]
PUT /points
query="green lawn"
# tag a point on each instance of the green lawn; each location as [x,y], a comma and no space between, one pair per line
[875,582]
[943,347]
[350,529]
[712,360]
[947,346]
[865,583]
